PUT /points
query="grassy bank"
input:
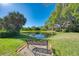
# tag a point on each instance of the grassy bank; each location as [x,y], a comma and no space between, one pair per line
[65,44]
[33,31]
[8,46]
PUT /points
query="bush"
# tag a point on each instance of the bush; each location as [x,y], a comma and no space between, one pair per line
[8,34]
[72,28]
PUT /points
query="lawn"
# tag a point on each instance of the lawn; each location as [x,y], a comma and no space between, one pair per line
[65,44]
[8,46]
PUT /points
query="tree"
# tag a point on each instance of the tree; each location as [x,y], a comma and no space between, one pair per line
[35,28]
[54,18]
[0,24]
[66,16]
[14,22]
[71,17]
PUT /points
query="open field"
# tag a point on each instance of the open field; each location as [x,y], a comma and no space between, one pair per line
[65,44]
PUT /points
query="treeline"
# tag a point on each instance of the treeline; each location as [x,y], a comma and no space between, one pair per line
[33,28]
[64,18]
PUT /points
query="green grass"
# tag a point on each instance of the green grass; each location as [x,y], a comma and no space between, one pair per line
[8,46]
[65,44]
[33,31]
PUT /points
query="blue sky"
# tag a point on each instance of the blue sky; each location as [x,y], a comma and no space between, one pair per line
[36,13]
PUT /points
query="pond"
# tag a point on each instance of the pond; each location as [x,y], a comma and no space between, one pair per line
[38,36]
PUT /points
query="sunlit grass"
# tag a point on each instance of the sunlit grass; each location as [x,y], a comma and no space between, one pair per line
[8,46]
[36,31]
[65,44]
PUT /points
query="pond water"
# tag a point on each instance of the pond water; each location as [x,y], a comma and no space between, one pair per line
[38,36]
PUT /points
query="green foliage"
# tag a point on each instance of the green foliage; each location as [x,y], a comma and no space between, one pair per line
[11,24]
[67,16]
[8,34]
[33,28]
[1,24]
[14,21]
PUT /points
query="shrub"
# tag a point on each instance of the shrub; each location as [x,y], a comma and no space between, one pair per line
[8,34]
